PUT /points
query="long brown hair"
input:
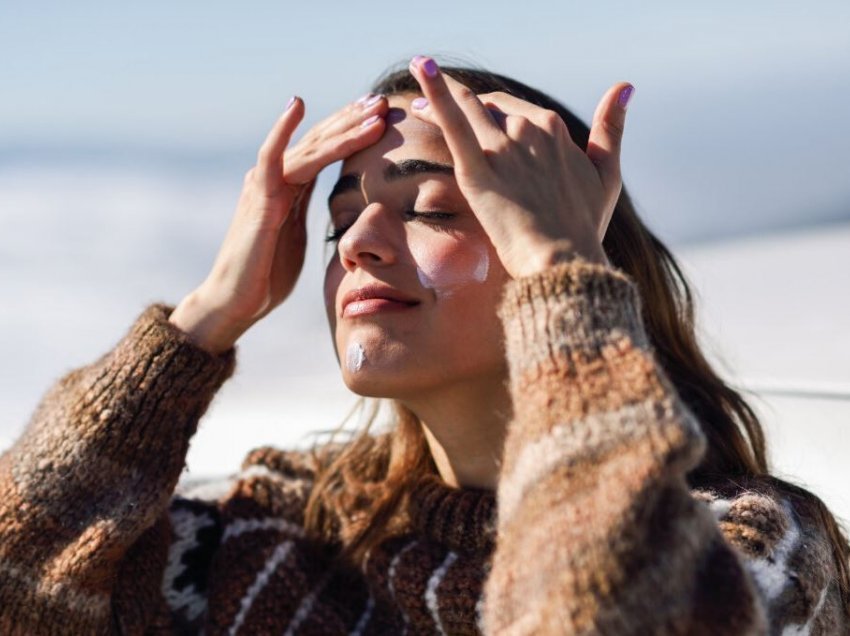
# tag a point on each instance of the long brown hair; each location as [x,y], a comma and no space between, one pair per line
[360,495]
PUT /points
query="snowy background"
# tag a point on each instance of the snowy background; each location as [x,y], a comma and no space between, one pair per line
[124,135]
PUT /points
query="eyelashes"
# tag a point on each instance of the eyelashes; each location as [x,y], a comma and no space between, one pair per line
[336,233]
[436,218]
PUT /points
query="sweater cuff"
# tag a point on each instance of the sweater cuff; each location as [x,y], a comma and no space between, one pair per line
[127,419]
[575,306]
[175,377]
[152,330]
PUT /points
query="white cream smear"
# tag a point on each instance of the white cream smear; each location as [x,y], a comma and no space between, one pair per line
[355,356]
[446,277]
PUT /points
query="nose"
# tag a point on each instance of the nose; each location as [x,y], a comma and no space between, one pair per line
[370,241]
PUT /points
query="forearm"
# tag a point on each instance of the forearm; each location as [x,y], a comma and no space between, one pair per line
[96,467]
[597,529]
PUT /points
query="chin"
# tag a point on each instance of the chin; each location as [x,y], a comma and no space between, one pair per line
[370,383]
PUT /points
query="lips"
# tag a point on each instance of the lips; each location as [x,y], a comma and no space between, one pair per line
[372,299]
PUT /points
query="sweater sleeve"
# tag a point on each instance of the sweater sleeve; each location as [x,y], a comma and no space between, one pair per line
[86,488]
[598,531]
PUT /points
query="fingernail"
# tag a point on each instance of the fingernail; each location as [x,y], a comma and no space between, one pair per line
[370,121]
[427,64]
[430,67]
[289,103]
[625,96]
[368,100]
[419,103]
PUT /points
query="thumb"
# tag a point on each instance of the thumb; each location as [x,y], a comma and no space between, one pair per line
[606,134]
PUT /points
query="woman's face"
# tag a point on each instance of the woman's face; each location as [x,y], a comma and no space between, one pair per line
[412,292]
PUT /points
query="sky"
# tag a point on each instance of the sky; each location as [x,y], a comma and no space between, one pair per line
[737,125]
[125,129]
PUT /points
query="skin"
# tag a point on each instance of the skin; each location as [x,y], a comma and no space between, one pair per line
[521,194]
[442,358]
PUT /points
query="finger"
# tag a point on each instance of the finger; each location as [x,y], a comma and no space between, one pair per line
[606,133]
[350,115]
[508,104]
[270,155]
[453,107]
[305,161]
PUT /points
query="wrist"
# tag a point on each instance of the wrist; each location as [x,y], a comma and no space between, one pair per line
[205,326]
[540,256]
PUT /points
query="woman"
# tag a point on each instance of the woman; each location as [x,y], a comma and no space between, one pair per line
[589,475]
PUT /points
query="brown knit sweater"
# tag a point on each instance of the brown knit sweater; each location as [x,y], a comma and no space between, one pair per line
[593,529]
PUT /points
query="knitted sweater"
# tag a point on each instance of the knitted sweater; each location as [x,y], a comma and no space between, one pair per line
[592,530]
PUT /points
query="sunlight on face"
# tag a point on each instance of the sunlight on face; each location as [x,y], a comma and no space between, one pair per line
[412,291]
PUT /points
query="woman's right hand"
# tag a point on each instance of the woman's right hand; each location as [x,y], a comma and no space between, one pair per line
[263,252]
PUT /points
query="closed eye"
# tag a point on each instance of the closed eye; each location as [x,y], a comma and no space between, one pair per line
[430,216]
[336,233]
[435,218]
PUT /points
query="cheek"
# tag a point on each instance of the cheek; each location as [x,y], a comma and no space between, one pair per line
[333,277]
[449,266]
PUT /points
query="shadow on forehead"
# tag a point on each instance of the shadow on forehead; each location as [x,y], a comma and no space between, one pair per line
[401,124]
[395,116]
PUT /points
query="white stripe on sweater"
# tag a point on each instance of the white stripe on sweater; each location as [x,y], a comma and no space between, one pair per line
[479,613]
[806,628]
[391,575]
[720,508]
[305,607]
[538,459]
[431,598]
[186,525]
[278,556]
[364,618]
[241,526]
[771,573]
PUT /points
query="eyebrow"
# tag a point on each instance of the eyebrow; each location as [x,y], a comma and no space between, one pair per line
[394,171]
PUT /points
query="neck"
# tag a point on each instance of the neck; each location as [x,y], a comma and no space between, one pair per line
[465,427]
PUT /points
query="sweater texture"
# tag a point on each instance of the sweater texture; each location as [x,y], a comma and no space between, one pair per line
[592,530]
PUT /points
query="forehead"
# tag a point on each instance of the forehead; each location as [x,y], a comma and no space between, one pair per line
[406,137]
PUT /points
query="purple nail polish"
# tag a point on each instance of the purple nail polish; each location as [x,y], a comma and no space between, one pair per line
[419,103]
[416,59]
[374,99]
[625,96]
[430,67]
[364,99]
[289,103]
[370,121]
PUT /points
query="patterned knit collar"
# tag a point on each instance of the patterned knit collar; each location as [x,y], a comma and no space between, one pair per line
[462,519]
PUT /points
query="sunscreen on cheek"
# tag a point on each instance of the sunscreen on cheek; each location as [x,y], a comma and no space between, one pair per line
[355,356]
[447,273]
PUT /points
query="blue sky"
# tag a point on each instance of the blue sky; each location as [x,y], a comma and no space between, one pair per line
[740,107]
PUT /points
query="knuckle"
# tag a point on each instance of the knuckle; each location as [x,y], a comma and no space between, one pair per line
[612,127]
[551,120]
[522,126]
[502,145]
[263,154]
[466,95]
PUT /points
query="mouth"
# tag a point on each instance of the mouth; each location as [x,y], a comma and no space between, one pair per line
[374,299]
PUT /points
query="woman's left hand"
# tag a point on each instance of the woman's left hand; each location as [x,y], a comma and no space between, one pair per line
[540,198]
